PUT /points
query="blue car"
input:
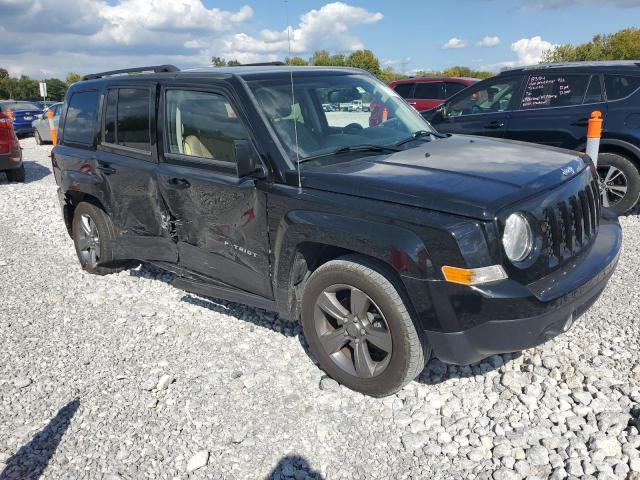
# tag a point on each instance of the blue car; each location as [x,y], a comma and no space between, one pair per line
[23,114]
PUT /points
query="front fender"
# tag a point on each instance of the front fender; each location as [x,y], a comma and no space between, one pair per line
[399,248]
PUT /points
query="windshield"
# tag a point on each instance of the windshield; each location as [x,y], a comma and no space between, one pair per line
[331,112]
[16,106]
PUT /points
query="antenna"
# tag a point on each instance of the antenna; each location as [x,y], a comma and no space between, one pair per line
[293,101]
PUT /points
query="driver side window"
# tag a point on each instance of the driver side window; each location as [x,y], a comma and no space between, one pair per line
[491,98]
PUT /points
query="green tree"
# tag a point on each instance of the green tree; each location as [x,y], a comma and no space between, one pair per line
[622,45]
[218,62]
[56,89]
[72,77]
[321,58]
[296,61]
[233,63]
[26,88]
[364,59]
[3,73]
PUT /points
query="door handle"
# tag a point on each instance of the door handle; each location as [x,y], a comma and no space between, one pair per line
[178,183]
[106,169]
[583,122]
[495,124]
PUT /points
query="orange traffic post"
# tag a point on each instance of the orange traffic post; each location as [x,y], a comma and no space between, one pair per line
[54,134]
[593,135]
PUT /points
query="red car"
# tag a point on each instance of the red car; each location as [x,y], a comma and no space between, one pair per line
[423,93]
[10,152]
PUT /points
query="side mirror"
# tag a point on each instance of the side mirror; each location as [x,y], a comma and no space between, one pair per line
[245,158]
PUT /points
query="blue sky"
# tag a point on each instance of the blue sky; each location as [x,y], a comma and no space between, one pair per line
[90,35]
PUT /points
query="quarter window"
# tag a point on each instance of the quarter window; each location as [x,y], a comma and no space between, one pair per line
[202,124]
[79,126]
[620,86]
[543,91]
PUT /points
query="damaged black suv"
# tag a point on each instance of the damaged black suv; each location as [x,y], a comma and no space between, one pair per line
[389,243]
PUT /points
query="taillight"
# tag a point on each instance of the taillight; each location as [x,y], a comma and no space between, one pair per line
[5,121]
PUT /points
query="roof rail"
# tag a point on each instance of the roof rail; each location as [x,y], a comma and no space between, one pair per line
[153,68]
[262,64]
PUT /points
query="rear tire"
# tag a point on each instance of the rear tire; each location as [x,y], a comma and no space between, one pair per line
[16,175]
[93,237]
[382,332]
[619,182]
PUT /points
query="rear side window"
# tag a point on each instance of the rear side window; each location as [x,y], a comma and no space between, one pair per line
[127,118]
[405,90]
[202,124]
[594,92]
[543,91]
[453,88]
[428,91]
[620,86]
[79,125]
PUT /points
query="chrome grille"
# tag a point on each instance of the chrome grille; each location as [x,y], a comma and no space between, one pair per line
[571,225]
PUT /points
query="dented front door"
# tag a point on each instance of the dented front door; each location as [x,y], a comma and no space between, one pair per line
[219,220]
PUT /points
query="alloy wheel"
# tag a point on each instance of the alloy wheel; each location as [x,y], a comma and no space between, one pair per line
[612,183]
[88,241]
[353,331]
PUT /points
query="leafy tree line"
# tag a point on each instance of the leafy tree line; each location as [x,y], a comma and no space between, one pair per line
[622,45]
[24,88]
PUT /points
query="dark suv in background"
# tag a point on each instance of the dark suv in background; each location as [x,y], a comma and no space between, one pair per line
[388,242]
[551,104]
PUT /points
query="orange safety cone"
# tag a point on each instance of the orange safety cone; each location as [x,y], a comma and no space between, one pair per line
[594,132]
[54,133]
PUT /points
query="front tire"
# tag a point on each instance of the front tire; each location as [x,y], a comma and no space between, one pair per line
[93,236]
[39,140]
[16,175]
[619,182]
[358,327]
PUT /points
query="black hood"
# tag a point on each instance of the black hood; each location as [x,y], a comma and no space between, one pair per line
[463,175]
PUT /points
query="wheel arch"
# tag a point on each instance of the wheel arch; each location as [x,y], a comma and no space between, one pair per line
[72,200]
[398,251]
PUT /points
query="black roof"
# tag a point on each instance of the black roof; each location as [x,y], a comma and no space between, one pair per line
[606,65]
[253,71]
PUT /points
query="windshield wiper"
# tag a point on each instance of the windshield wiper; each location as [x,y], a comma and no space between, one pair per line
[355,148]
[416,135]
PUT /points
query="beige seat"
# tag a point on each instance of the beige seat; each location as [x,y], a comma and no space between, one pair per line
[192,145]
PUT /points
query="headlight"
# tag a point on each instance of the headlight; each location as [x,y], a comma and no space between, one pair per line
[517,238]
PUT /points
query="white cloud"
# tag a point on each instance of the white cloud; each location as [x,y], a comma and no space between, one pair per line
[529,51]
[488,42]
[327,28]
[455,43]
[90,35]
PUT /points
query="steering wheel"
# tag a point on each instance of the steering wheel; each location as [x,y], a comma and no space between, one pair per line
[351,128]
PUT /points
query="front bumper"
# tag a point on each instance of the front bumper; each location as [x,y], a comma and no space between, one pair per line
[562,297]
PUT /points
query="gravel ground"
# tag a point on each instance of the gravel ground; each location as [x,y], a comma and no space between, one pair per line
[124,376]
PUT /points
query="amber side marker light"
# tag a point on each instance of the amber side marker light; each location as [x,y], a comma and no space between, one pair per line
[473,276]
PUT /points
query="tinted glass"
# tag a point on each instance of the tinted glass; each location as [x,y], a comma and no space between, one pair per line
[17,106]
[543,91]
[81,116]
[132,125]
[201,124]
[490,98]
[428,91]
[620,86]
[594,92]
[405,90]
[110,117]
[453,88]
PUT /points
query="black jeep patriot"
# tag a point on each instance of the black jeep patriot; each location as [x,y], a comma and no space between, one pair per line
[389,243]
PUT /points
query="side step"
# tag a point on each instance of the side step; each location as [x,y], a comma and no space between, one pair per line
[226,293]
